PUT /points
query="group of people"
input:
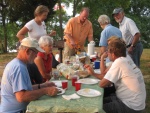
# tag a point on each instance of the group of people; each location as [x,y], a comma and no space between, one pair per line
[25,77]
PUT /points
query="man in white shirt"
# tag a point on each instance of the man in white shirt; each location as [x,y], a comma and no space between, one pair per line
[130,34]
[128,80]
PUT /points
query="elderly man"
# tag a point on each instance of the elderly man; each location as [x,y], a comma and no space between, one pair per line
[130,34]
[16,88]
[108,31]
[77,30]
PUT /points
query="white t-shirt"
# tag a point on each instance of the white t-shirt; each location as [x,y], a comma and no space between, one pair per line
[35,30]
[128,29]
[129,83]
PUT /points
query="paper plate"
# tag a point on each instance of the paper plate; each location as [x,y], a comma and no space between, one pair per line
[57,83]
[89,92]
[88,81]
[62,91]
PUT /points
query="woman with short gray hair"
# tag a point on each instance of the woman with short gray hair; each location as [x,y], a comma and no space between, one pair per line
[41,70]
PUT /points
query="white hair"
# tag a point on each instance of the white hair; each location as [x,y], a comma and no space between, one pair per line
[104,19]
[45,40]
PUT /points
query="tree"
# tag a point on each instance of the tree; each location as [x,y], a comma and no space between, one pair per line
[19,12]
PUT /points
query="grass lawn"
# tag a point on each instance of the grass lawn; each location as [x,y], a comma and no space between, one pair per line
[145,65]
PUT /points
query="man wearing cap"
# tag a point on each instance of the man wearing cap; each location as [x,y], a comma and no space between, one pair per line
[130,34]
[16,88]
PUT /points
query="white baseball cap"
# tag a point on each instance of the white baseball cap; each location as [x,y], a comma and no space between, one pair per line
[31,43]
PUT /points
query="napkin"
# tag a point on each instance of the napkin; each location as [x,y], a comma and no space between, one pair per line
[73,96]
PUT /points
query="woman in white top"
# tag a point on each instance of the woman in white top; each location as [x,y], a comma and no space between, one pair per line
[36,27]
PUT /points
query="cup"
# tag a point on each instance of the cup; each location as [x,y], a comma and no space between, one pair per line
[64,84]
[93,59]
[74,79]
[97,64]
[56,75]
[77,86]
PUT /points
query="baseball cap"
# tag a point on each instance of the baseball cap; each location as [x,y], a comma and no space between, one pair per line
[116,11]
[31,43]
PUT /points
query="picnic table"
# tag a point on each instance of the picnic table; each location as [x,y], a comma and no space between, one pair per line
[59,104]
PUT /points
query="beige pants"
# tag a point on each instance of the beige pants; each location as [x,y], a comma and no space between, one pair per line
[69,52]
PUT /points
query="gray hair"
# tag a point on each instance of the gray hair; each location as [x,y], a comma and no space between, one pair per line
[104,19]
[45,40]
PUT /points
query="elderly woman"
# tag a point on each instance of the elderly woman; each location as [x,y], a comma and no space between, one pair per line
[40,70]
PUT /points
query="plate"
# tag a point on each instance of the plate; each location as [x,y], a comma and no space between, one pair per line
[88,81]
[62,91]
[89,92]
[57,83]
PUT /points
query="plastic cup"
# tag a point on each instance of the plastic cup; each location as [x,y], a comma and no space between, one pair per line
[74,79]
[64,84]
[97,64]
[93,59]
[77,86]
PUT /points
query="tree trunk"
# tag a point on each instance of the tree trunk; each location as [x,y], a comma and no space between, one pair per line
[60,19]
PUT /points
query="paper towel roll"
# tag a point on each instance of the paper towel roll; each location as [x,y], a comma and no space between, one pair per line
[91,47]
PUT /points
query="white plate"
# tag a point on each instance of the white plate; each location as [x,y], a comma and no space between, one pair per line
[62,91]
[57,83]
[89,92]
[88,81]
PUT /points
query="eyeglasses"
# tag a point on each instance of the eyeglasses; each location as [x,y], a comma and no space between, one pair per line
[35,51]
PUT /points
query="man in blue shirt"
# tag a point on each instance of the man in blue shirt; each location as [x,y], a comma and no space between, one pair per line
[108,31]
[16,88]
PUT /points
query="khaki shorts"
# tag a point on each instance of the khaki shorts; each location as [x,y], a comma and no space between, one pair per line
[69,52]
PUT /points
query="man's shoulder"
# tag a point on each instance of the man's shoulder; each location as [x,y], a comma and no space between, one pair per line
[73,19]
[127,20]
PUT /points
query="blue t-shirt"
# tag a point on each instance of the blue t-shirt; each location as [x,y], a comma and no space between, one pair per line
[15,78]
[107,33]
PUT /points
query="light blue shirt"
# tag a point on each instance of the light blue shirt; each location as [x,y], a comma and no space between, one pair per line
[15,78]
[109,31]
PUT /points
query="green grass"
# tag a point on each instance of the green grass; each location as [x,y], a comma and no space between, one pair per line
[145,65]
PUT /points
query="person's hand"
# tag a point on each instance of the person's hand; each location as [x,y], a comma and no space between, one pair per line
[72,43]
[104,55]
[49,84]
[52,91]
[89,69]
[53,33]
[130,50]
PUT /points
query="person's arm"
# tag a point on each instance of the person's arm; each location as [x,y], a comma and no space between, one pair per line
[53,33]
[27,96]
[91,72]
[134,42]
[43,85]
[40,64]
[90,34]
[72,43]
[21,34]
[103,68]
[90,38]
[102,50]
[104,82]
